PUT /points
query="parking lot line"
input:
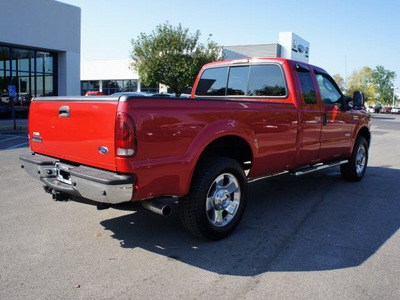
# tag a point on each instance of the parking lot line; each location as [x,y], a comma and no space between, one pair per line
[13,141]
[13,138]
[26,144]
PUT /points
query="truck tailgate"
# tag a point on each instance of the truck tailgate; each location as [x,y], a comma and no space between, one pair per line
[77,129]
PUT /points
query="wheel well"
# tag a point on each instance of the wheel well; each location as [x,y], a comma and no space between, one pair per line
[230,146]
[366,134]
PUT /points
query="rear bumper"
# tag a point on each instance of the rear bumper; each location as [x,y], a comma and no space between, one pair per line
[87,182]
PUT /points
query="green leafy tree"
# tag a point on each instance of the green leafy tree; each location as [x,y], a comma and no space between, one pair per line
[362,81]
[383,80]
[172,56]
[340,82]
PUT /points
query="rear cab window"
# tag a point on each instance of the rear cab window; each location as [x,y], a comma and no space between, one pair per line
[212,82]
[247,82]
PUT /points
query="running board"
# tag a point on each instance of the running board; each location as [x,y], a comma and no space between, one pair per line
[317,167]
[301,171]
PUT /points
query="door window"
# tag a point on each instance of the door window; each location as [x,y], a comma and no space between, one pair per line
[330,94]
[307,87]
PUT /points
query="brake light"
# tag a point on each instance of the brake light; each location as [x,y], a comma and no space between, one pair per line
[125,137]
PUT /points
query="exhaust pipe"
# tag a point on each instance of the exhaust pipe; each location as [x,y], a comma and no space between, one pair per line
[157,207]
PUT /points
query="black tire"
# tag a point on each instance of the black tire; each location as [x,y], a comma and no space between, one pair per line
[355,169]
[217,199]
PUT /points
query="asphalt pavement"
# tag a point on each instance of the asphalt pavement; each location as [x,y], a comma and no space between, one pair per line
[13,139]
[309,237]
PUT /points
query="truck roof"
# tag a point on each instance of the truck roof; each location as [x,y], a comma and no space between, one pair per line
[255,60]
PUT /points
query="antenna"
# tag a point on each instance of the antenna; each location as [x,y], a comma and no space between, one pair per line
[345,70]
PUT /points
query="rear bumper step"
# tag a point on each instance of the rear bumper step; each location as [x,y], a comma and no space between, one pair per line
[87,182]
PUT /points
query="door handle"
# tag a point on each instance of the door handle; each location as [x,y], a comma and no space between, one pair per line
[324,119]
[63,112]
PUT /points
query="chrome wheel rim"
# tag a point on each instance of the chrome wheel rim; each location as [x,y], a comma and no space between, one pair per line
[361,159]
[223,200]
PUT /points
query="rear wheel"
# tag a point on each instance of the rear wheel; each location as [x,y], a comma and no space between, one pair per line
[355,169]
[217,199]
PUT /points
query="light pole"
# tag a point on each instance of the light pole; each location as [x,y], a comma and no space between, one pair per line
[394,87]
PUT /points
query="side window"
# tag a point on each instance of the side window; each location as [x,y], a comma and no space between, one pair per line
[307,87]
[329,92]
[259,80]
[212,82]
[266,80]
[237,82]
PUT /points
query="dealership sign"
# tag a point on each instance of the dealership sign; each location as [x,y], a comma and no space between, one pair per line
[300,48]
[294,47]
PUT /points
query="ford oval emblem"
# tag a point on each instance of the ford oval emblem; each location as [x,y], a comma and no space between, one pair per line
[103,150]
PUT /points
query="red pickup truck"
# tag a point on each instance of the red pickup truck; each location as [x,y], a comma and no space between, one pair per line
[245,119]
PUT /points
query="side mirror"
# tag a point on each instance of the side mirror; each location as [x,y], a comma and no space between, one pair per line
[358,100]
[346,102]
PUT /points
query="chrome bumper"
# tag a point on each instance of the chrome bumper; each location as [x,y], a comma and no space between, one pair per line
[87,182]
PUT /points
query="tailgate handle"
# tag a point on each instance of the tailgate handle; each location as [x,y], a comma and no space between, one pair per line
[63,112]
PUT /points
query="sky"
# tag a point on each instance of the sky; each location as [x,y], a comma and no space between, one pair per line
[344,36]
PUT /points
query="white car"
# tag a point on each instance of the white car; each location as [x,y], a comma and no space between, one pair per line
[370,109]
[395,110]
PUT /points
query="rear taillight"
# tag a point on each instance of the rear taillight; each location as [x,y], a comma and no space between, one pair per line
[125,139]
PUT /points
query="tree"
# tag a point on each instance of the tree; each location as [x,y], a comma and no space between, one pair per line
[383,79]
[362,81]
[172,56]
[340,82]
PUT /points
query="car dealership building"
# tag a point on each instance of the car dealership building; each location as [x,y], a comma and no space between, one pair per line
[39,52]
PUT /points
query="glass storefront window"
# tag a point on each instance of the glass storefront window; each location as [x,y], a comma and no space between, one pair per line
[23,60]
[39,85]
[84,85]
[5,58]
[48,86]
[49,63]
[110,86]
[24,80]
[5,104]
[130,85]
[89,86]
[45,85]
[32,72]
[5,81]
[45,62]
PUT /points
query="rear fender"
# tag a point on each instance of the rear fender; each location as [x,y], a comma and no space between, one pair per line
[213,132]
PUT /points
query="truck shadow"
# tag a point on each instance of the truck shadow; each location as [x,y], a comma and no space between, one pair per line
[310,223]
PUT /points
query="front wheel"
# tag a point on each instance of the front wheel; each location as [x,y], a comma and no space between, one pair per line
[355,169]
[217,199]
